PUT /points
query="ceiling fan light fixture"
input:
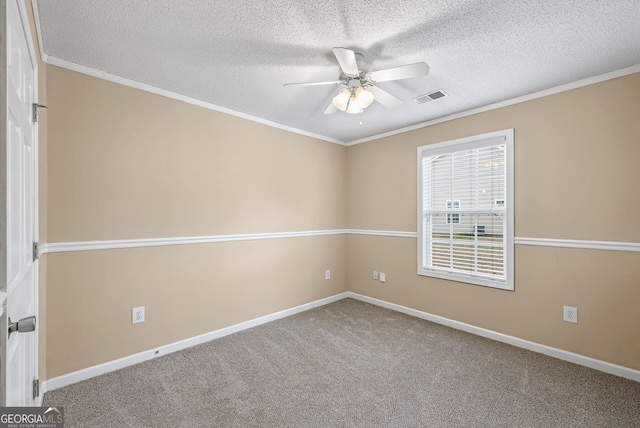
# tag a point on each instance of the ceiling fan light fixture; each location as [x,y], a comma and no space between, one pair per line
[364,97]
[361,82]
[341,101]
[354,106]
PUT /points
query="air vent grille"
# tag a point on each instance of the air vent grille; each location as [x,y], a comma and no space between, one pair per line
[432,96]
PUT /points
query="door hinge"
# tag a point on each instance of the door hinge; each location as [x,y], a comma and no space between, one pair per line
[36,388]
[35,107]
[36,251]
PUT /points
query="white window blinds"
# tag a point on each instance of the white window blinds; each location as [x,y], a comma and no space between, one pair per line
[464,229]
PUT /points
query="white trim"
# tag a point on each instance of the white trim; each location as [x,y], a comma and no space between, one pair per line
[109,366]
[144,87]
[32,50]
[582,360]
[61,247]
[524,98]
[51,60]
[36,18]
[3,299]
[26,27]
[574,243]
[545,242]
[425,238]
[397,234]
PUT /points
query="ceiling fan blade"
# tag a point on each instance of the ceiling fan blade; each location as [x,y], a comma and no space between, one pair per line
[347,60]
[384,97]
[331,109]
[403,72]
[333,82]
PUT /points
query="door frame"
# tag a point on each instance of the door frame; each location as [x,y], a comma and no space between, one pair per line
[26,25]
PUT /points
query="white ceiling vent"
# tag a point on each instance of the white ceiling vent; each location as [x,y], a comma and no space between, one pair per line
[436,95]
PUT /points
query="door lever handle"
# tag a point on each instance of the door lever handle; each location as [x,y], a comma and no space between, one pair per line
[23,326]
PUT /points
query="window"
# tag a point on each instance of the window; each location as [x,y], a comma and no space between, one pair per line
[466,210]
[453,218]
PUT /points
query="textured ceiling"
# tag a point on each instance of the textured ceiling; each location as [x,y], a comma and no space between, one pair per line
[237,54]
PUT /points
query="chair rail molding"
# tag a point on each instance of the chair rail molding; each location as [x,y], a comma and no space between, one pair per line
[61,247]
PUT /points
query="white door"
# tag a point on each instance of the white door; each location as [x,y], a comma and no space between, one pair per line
[21,347]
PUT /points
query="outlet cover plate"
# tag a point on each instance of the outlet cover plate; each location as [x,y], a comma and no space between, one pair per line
[383,277]
[327,274]
[570,314]
[137,315]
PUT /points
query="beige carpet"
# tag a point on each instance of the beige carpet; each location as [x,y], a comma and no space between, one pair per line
[351,364]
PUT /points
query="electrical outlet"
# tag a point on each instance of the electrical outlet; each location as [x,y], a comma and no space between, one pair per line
[570,314]
[137,315]
[327,274]
[375,275]
[383,277]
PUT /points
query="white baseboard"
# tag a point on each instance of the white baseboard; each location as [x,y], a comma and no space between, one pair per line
[600,365]
[110,366]
[89,372]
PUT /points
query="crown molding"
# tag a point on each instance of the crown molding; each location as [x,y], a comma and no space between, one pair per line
[521,99]
[51,60]
[173,95]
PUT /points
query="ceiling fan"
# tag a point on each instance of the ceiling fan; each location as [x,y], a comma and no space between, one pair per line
[359,81]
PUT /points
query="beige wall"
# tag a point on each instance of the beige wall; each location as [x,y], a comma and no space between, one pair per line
[126,164]
[129,164]
[576,168]
[119,163]
[187,290]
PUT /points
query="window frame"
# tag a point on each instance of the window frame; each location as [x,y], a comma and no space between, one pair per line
[505,137]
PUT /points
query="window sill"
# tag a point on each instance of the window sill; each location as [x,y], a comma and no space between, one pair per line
[469,279]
